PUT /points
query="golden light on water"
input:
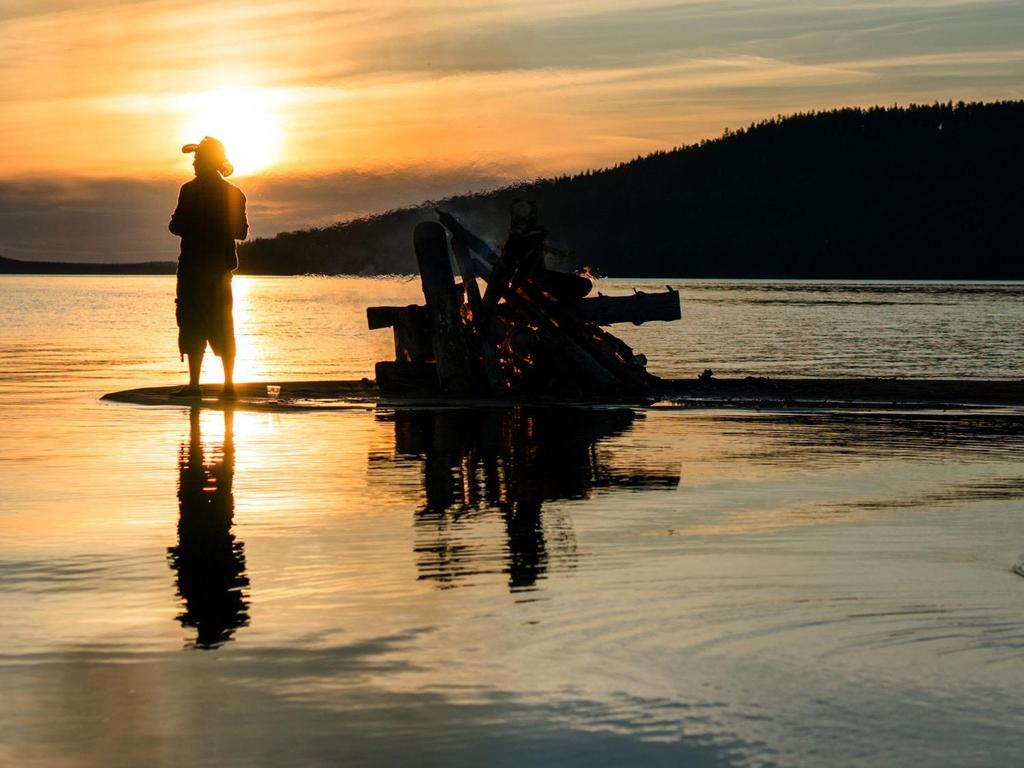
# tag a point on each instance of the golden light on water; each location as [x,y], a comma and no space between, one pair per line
[252,349]
[245,119]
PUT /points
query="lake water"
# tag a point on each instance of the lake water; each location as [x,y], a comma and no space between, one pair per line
[521,586]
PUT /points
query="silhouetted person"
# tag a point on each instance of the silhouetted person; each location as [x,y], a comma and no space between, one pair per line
[210,564]
[209,217]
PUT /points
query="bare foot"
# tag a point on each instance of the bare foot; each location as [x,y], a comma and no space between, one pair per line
[228,393]
[187,391]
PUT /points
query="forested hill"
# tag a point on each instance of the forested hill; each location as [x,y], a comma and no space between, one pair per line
[918,192]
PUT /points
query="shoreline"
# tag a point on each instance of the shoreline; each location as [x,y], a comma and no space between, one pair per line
[740,393]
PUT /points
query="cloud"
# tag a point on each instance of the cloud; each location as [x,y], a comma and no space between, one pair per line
[123,220]
[105,89]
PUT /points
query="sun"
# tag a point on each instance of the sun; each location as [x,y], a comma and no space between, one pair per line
[244,119]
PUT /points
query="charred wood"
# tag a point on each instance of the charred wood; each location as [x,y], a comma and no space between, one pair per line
[393,376]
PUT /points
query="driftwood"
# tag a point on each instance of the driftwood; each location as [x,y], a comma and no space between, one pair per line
[484,334]
[531,332]
[413,368]
[636,309]
[454,368]
[412,331]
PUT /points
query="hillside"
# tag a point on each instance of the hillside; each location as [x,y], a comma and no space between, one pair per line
[917,192]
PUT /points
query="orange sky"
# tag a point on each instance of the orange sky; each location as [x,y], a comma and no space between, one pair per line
[113,89]
[336,110]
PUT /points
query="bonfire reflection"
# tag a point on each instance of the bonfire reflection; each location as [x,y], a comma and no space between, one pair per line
[482,466]
[208,561]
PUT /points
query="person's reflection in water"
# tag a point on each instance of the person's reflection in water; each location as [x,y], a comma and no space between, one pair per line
[209,562]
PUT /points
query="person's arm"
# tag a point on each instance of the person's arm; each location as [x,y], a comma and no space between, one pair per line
[179,219]
[239,223]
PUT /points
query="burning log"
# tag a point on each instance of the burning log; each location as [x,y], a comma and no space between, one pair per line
[605,349]
[531,331]
[542,336]
[482,331]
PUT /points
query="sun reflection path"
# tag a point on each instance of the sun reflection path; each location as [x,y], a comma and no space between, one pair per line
[251,357]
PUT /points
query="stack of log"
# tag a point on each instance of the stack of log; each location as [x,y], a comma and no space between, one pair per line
[532,331]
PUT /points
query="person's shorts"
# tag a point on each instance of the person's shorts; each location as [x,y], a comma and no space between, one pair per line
[203,310]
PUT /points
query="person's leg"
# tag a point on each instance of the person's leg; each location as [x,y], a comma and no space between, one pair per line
[227,336]
[191,342]
[195,365]
[228,361]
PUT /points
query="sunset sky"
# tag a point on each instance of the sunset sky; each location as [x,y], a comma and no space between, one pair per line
[342,109]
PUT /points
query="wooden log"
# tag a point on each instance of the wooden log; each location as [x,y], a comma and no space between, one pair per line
[636,309]
[484,338]
[388,317]
[610,352]
[484,256]
[590,374]
[466,269]
[455,370]
[406,377]
[412,339]
[518,258]
[411,327]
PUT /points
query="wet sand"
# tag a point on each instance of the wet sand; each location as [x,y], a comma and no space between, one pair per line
[728,392]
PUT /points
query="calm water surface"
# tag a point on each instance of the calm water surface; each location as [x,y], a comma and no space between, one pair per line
[602,586]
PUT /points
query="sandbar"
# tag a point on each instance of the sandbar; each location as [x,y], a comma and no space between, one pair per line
[747,392]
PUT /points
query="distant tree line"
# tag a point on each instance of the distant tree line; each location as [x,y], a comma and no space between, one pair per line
[925,191]
[20,267]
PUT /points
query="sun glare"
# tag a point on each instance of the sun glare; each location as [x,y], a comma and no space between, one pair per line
[244,119]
